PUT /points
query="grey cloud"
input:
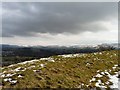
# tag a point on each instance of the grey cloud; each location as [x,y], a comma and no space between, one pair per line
[28,19]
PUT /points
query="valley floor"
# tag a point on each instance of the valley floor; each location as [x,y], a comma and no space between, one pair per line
[94,70]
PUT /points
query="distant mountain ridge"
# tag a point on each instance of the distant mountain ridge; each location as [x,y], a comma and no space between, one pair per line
[115,45]
[14,54]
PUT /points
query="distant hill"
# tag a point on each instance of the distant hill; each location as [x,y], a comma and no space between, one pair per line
[15,54]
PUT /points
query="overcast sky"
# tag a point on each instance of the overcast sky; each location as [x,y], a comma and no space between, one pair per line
[29,23]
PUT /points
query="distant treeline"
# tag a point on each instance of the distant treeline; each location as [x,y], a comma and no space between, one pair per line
[15,54]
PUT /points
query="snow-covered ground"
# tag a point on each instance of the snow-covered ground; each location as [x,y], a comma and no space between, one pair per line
[112,78]
[70,55]
[115,80]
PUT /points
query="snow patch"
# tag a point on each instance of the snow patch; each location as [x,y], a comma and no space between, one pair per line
[98,75]
[13,81]
[7,79]
[100,84]
[71,55]
[93,79]
[19,69]
[42,65]
[31,61]
[114,79]
[20,76]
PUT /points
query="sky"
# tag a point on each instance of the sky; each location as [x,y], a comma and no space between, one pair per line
[59,23]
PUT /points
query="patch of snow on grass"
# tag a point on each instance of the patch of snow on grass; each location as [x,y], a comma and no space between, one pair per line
[95,53]
[114,79]
[43,58]
[100,53]
[98,70]
[31,67]
[98,75]
[107,82]
[71,55]
[102,73]
[31,61]
[113,67]
[20,76]
[116,65]
[11,65]
[48,59]
[10,80]
[7,79]
[52,60]
[3,75]
[19,69]
[42,65]
[34,70]
[87,64]
[9,75]
[106,72]
[93,79]
[13,81]
[100,84]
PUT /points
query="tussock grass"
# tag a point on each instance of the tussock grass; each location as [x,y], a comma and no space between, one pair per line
[69,72]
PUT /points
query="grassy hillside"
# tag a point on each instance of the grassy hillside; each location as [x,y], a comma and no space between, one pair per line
[67,71]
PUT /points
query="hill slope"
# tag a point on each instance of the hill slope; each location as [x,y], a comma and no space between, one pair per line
[63,71]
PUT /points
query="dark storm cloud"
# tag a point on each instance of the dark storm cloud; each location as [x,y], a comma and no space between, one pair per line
[27,19]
